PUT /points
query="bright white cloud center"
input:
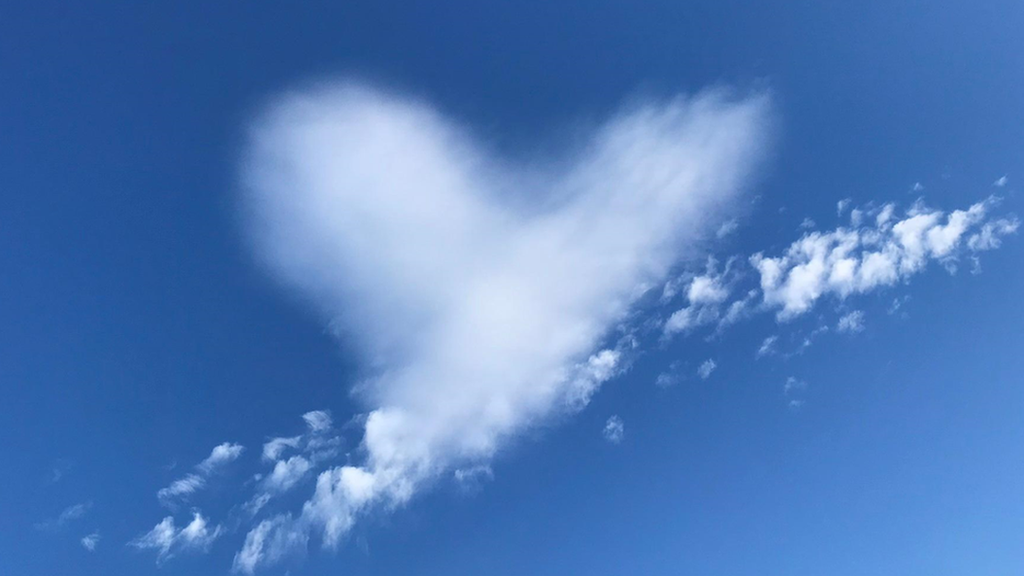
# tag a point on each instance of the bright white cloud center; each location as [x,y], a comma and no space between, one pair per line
[483,312]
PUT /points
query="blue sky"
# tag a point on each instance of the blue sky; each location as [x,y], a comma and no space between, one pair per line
[648,287]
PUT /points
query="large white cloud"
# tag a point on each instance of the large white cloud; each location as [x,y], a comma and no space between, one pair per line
[478,289]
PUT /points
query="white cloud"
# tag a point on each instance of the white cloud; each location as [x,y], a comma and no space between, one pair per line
[1001,181]
[73,513]
[181,488]
[856,217]
[917,187]
[269,542]
[989,236]
[707,290]
[727,228]
[614,430]
[767,347]
[588,377]
[221,455]
[855,260]
[91,541]
[318,420]
[192,482]
[166,539]
[897,303]
[286,474]
[704,293]
[482,313]
[670,377]
[807,341]
[842,205]
[706,368]
[317,446]
[67,516]
[274,448]
[793,385]
[851,323]
[473,476]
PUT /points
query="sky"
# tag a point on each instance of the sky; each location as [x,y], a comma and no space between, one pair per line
[512,288]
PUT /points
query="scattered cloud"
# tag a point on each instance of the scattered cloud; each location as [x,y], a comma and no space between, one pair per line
[727,228]
[471,478]
[842,205]
[856,260]
[856,217]
[916,187]
[793,389]
[482,317]
[897,304]
[706,368]
[614,430]
[307,452]
[67,516]
[318,420]
[167,540]
[990,235]
[181,488]
[58,469]
[705,294]
[91,541]
[275,447]
[319,444]
[793,385]
[221,455]
[670,377]
[767,347]
[851,323]
[269,542]
[286,474]
[1001,181]
[192,482]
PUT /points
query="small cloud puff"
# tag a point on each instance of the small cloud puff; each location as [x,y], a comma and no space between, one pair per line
[705,294]
[767,347]
[670,377]
[727,228]
[614,430]
[851,323]
[793,385]
[842,205]
[705,369]
[67,516]
[91,541]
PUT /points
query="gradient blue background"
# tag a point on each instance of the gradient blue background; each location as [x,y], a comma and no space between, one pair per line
[138,333]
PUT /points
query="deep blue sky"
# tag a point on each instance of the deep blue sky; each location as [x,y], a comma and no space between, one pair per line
[138,333]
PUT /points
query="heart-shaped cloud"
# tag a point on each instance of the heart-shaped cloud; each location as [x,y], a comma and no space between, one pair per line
[480,289]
